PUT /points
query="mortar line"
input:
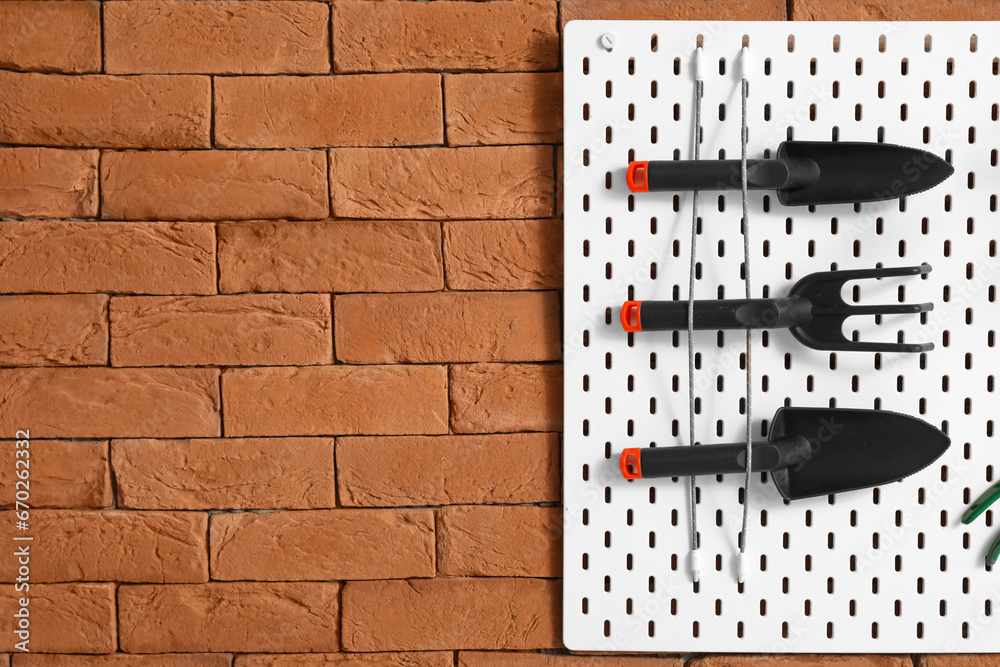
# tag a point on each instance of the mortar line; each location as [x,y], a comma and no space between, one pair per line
[112,478]
[118,617]
[107,316]
[329,27]
[444,113]
[211,110]
[336,469]
[222,416]
[218,263]
[333,332]
[104,69]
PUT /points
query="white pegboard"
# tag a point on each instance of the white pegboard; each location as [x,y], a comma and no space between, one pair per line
[885,570]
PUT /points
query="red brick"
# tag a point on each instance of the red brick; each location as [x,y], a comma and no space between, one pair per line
[323,545]
[112,545]
[105,111]
[433,614]
[212,185]
[503,254]
[498,398]
[230,616]
[244,330]
[138,257]
[447,326]
[435,183]
[416,659]
[895,10]
[54,330]
[295,111]
[48,183]
[50,36]
[331,256]
[444,470]
[951,660]
[672,10]
[520,108]
[65,618]
[802,661]
[328,400]
[452,36]
[216,38]
[63,474]
[124,660]
[483,659]
[110,402]
[233,473]
[485,541]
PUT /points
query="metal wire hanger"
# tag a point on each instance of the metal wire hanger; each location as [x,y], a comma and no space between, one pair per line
[695,539]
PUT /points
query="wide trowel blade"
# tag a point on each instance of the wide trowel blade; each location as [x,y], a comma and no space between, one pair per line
[853,449]
[854,171]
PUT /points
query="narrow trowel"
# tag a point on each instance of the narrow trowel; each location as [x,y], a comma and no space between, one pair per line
[809,452]
[805,173]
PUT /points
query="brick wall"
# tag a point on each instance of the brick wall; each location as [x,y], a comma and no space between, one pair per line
[281,311]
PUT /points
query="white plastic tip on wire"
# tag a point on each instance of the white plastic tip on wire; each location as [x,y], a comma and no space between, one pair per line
[745,63]
[695,565]
[697,68]
[741,574]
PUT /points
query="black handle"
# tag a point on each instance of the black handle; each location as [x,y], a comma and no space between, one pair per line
[650,462]
[673,175]
[793,311]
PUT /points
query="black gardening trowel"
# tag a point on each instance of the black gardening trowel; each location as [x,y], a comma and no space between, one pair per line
[805,173]
[809,452]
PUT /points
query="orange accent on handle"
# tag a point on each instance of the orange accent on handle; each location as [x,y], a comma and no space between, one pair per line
[629,462]
[635,176]
[631,316]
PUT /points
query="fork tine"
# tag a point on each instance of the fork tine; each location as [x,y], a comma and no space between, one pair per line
[887,309]
[891,272]
[864,274]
